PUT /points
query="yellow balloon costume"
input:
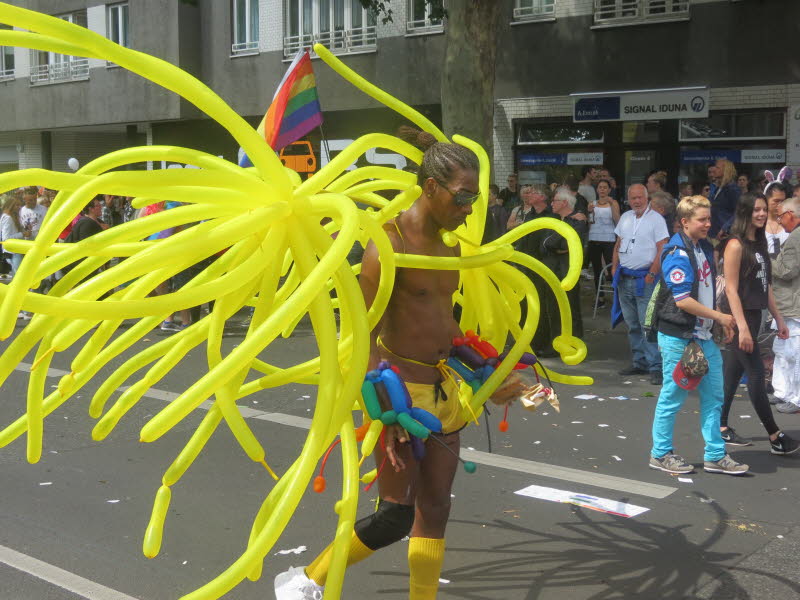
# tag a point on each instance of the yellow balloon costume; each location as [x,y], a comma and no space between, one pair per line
[280,260]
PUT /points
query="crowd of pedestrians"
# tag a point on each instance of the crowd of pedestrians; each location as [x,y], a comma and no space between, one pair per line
[718,266]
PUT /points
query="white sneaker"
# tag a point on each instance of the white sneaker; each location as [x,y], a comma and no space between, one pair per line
[294,584]
[24,315]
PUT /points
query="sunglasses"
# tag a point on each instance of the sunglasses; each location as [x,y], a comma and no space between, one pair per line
[461,198]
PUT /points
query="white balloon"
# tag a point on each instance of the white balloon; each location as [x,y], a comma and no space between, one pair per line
[73,163]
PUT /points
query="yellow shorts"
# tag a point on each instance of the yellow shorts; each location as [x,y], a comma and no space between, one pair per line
[447,410]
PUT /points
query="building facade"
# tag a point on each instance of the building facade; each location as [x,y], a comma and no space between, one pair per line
[578,81]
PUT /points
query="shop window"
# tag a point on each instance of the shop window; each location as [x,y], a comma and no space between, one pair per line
[6,59]
[530,134]
[634,12]
[118,23]
[51,67]
[641,132]
[534,10]
[245,26]
[340,25]
[424,16]
[763,125]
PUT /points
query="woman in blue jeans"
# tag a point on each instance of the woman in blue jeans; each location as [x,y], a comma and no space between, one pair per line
[684,310]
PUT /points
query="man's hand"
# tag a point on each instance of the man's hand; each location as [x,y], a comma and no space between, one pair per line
[783,330]
[393,436]
[726,321]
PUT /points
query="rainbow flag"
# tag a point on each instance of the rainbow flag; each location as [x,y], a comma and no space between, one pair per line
[294,110]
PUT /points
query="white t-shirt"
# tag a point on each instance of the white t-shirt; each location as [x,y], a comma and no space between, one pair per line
[705,293]
[32,218]
[775,242]
[638,238]
[602,230]
[587,191]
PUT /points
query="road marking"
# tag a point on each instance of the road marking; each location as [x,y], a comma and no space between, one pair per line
[59,577]
[521,465]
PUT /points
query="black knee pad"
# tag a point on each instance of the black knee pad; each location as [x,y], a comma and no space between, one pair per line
[387,525]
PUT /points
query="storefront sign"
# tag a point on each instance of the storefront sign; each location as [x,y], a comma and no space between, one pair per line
[644,105]
[776,156]
[530,159]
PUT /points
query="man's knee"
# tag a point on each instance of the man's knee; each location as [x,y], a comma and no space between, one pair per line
[387,525]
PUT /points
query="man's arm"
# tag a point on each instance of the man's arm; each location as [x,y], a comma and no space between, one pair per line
[615,259]
[655,268]
[787,266]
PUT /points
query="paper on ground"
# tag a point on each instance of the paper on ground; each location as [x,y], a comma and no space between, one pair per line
[585,397]
[612,507]
[297,550]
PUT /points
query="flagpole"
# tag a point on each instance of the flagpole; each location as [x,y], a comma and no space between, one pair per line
[324,140]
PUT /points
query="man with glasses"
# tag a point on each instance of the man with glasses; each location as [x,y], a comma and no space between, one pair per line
[786,287]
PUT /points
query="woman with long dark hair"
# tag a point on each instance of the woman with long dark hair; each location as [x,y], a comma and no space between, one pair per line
[604,217]
[748,290]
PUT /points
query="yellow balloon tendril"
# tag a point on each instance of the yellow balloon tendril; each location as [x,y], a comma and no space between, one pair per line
[279,259]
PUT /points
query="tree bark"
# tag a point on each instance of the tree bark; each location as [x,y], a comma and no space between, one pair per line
[469,69]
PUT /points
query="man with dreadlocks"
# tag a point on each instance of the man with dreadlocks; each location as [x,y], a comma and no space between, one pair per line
[415,335]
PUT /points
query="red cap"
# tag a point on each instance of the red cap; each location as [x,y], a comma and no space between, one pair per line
[685,381]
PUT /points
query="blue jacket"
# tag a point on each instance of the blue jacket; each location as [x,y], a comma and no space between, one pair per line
[679,281]
[723,207]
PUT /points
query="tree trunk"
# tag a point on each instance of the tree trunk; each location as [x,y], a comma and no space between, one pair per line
[469,69]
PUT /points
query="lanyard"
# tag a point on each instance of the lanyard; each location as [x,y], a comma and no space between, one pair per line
[637,222]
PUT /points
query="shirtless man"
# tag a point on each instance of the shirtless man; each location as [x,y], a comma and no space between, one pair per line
[415,334]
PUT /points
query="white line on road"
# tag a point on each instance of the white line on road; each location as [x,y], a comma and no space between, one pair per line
[610,482]
[59,577]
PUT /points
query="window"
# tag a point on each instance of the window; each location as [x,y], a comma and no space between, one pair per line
[6,60]
[118,23]
[50,67]
[621,12]
[424,16]
[341,25]
[761,125]
[536,134]
[245,26]
[534,10]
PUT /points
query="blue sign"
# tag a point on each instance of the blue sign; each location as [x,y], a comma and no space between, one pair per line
[534,160]
[597,109]
[710,156]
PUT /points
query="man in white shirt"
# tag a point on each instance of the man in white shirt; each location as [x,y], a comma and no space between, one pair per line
[641,234]
[31,214]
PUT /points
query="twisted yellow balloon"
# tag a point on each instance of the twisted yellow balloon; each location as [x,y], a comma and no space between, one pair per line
[279,259]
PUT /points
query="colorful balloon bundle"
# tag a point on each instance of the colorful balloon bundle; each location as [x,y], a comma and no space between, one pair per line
[280,259]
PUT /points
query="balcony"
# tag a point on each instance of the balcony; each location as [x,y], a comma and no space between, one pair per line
[543,10]
[244,48]
[636,12]
[362,39]
[69,70]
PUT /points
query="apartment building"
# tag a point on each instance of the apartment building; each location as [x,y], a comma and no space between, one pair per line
[634,84]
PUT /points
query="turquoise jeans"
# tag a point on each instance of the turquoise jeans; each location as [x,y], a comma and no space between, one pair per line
[672,396]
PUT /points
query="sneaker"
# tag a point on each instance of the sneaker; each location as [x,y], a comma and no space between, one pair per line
[169,326]
[633,370]
[294,584]
[734,439]
[783,445]
[671,463]
[774,400]
[656,378]
[787,408]
[725,465]
[24,315]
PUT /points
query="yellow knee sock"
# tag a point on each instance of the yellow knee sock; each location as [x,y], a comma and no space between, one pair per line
[318,570]
[425,557]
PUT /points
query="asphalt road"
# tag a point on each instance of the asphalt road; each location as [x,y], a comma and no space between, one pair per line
[71,526]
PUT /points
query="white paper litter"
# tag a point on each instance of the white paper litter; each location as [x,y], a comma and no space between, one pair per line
[602,425]
[298,550]
[706,500]
[585,397]
[46,483]
[780,537]
[627,382]
[112,501]
[537,442]
[622,437]
[470,448]
[576,422]
[615,457]
[619,397]
[184,562]
[443,580]
[685,479]
[744,416]
[605,505]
